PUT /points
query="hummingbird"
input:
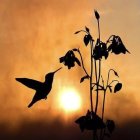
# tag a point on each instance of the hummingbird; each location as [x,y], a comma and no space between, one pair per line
[42,88]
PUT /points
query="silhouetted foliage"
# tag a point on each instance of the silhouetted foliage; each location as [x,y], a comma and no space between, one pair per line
[42,88]
[91,121]
[118,87]
[83,78]
[110,125]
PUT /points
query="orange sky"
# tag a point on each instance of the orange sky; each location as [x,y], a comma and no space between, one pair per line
[35,33]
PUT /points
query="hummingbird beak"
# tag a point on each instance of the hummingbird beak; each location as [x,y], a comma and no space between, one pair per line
[57,70]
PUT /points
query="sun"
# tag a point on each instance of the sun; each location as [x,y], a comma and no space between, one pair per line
[69,99]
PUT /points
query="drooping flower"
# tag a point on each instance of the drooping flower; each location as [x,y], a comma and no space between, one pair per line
[100,50]
[69,59]
[117,46]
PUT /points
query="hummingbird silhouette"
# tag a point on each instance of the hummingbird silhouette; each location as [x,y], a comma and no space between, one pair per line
[42,88]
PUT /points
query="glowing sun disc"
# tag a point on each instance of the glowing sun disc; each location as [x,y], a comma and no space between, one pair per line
[69,99]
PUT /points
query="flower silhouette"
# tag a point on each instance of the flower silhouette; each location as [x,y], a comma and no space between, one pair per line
[100,50]
[117,45]
[69,59]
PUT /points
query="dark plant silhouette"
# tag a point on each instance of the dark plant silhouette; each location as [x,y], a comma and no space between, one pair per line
[92,121]
[42,89]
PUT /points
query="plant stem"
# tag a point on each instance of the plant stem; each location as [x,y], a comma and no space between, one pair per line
[98,28]
[105,95]
[105,92]
[91,73]
[97,78]
[82,62]
[103,104]
[103,108]
[96,86]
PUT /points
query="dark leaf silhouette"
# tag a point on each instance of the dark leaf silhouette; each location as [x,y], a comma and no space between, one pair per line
[83,78]
[69,59]
[82,122]
[77,61]
[110,125]
[96,15]
[117,46]
[87,29]
[90,122]
[87,39]
[42,89]
[77,32]
[116,73]
[110,88]
[117,87]
[75,49]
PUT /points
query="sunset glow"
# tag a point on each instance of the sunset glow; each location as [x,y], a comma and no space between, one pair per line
[34,35]
[69,99]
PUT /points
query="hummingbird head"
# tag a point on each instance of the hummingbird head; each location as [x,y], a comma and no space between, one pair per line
[49,76]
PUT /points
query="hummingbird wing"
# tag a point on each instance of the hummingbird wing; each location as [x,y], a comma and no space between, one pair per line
[30,83]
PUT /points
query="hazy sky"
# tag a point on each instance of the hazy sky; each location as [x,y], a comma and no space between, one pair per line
[34,34]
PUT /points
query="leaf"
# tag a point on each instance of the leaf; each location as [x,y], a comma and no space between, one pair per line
[117,87]
[96,14]
[81,122]
[110,125]
[75,49]
[110,88]
[77,32]
[83,78]
[87,39]
[77,61]
[90,122]
[116,73]
[87,29]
